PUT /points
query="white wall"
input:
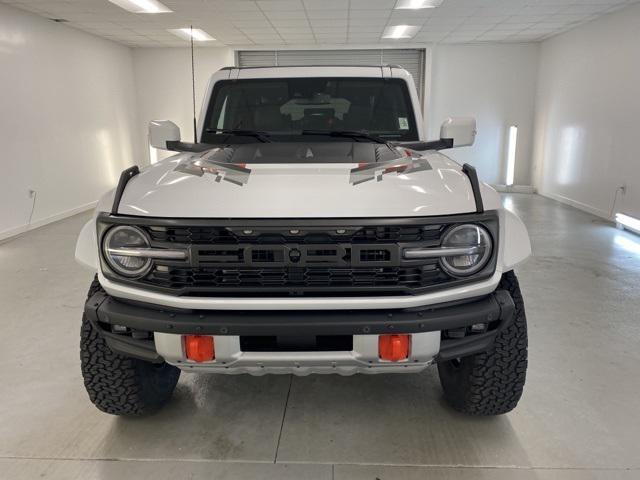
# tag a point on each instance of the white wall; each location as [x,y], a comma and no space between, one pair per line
[496,84]
[163,84]
[67,118]
[588,115]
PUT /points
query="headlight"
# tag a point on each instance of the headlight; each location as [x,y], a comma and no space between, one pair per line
[476,240]
[119,249]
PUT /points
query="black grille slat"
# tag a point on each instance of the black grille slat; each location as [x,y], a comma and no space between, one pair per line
[307,277]
[223,235]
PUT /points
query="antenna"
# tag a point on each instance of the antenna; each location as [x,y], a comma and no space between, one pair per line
[193,91]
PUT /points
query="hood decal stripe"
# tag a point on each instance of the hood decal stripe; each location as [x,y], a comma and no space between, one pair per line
[370,171]
[236,174]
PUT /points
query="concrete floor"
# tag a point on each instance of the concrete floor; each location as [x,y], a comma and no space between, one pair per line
[578,418]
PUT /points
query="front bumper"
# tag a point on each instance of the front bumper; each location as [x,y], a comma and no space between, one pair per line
[362,358]
[111,315]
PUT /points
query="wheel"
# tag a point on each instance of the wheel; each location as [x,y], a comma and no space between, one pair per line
[122,385]
[491,383]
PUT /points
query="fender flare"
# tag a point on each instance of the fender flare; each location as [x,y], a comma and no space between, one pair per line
[87,246]
[515,241]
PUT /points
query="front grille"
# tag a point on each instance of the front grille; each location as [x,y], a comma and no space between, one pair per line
[297,281]
[306,258]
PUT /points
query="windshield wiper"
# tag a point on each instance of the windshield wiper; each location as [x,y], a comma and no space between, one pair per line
[262,136]
[347,134]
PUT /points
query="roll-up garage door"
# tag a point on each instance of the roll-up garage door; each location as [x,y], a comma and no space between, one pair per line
[410,59]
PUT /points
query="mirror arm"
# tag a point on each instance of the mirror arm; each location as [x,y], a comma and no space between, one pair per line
[178,146]
[441,144]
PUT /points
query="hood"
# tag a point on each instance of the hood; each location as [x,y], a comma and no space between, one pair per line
[300,180]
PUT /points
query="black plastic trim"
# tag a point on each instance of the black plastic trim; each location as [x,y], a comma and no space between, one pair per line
[300,222]
[458,348]
[127,346]
[470,172]
[177,146]
[125,176]
[109,310]
[441,144]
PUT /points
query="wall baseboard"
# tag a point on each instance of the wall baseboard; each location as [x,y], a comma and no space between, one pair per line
[576,204]
[515,188]
[15,231]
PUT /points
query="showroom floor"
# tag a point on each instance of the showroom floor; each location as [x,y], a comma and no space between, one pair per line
[578,419]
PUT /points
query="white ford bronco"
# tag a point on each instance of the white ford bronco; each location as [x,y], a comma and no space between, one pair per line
[309,228]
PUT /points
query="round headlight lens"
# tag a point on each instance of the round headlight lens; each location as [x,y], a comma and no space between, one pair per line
[473,237]
[123,237]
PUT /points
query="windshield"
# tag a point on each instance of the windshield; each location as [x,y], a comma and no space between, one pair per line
[286,108]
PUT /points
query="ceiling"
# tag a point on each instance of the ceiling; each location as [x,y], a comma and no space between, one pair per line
[324,22]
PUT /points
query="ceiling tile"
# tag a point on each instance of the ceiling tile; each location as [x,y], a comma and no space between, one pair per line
[284,30]
[275,15]
[365,14]
[324,14]
[370,22]
[326,4]
[328,22]
[280,5]
[372,4]
[485,20]
[219,5]
[251,23]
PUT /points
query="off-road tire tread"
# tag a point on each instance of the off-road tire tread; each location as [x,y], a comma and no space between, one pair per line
[492,382]
[117,384]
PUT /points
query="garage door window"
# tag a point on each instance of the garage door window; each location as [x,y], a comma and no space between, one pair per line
[411,59]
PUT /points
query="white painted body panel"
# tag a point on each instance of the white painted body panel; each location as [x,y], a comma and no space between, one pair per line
[518,248]
[299,191]
[87,246]
[304,303]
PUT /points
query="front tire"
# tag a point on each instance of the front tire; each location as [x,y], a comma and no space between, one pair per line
[491,383]
[122,385]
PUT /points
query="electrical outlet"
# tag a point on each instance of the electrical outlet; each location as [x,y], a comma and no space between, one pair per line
[623,188]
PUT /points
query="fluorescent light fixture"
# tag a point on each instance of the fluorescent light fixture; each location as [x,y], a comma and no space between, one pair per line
[417,4]
[511,154]
[142,6]
[197,34]
[400,31]
[627,222]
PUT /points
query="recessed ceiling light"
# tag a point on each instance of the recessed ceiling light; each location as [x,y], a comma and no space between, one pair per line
[197,34]
[400,31]
[417,4]
[142,6]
